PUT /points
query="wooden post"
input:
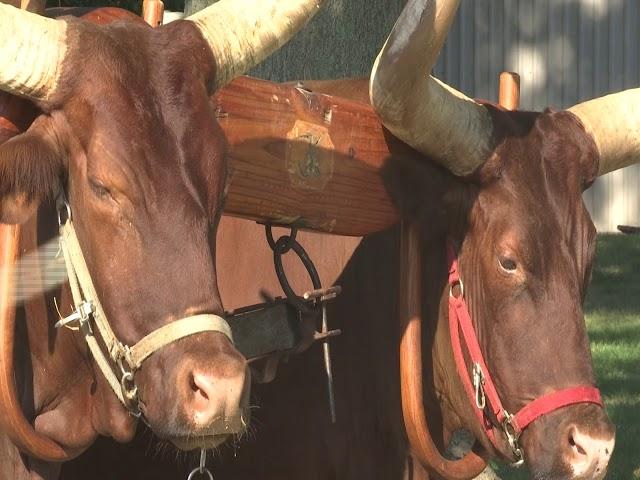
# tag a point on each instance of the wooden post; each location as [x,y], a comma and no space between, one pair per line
[509,95]
[153,12]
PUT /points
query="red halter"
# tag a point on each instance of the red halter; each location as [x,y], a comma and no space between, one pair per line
[482,391]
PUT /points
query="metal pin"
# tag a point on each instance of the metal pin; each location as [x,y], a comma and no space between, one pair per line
[327,366]
[323,294]
[203,459]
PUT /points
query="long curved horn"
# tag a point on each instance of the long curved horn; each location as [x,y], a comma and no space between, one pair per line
[614,123]
[32,53]
[242,33]
[432,117]
[415,419]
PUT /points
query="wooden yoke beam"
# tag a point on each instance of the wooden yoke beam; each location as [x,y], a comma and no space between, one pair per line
[305,158]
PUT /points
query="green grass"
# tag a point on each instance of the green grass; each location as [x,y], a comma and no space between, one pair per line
[613,319]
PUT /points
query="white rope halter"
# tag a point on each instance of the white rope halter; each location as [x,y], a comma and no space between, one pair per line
[87,307]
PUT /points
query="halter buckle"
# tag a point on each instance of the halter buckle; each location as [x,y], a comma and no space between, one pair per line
[64,210]
[453,285]
[81,315]
[129,390]
[478,385]
[512,437]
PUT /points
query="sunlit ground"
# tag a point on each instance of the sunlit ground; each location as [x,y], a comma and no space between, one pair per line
[613,319]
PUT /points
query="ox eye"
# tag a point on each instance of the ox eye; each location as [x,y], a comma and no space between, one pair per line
[507,264]
[99,189]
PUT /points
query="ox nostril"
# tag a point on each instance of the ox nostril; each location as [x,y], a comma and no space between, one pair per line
[587,455]
[574,444]
[200,391]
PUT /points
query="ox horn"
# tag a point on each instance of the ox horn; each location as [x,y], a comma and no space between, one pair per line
[614,123]
[432,117]
[32,52]
[242,33]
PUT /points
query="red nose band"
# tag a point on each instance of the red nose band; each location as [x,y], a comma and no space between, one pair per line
[479,385]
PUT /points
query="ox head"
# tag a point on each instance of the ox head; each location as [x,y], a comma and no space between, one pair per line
[129,134]
[510,203]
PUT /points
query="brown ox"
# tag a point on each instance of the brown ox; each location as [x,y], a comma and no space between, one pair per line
[128,135]
[525,245]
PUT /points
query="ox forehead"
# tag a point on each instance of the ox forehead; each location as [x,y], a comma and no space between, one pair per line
[121,104]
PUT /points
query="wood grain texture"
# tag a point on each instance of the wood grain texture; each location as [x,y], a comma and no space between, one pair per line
[304,158]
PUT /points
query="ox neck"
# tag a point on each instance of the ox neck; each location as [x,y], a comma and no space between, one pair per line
[121,362]
[479,385]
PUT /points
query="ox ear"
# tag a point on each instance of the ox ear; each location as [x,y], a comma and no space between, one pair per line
[424,192]
[30,169]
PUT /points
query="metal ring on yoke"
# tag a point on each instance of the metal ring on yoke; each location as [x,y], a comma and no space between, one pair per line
[281,247]
[291,237]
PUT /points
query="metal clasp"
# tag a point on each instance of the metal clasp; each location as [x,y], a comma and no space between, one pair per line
[81,315]
[129,389]
[512,437]
[64,212]
[478,385]
[453,284]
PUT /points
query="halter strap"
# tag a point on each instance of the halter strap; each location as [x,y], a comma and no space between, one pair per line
[88,306]
[481,389]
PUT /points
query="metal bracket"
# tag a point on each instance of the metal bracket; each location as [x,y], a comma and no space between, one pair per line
[80,315]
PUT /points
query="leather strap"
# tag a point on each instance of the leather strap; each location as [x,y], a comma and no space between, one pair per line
[173,331]
[553,401]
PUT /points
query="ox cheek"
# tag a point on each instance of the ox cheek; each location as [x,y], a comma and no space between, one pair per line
[195,392]
[574,443]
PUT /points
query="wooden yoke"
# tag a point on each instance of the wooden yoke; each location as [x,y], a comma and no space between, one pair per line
[306,159]
[416,421]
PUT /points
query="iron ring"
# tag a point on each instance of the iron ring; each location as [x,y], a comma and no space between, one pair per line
[297,301]
[291,237]
[201,472]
